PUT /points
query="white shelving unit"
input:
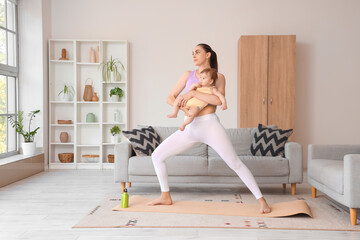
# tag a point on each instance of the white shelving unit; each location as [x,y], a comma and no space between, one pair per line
[85,138]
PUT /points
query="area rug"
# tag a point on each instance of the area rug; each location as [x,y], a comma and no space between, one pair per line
[325,214]
[283,209]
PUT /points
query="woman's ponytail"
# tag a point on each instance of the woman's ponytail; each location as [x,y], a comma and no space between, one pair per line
[213,60]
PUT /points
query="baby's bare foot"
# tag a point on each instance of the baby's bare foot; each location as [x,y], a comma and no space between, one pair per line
[182,127]
[173,115]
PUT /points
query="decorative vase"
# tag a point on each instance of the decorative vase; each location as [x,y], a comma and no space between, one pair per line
[92,55]
[115,138]
[88,91]
[90,117]
[64,137]
[95,98]
[115,98]
[117,116]
[29,148]
[97,54]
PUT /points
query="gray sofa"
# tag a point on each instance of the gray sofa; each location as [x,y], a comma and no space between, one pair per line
[201,164]
[335,171]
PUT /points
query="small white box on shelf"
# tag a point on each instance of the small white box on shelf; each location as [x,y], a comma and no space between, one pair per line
[90,158]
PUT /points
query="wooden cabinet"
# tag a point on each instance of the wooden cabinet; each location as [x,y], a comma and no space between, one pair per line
[266,81]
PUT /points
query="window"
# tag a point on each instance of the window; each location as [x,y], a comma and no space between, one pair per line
[8,76]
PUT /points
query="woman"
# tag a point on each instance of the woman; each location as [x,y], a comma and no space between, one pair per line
[205,128]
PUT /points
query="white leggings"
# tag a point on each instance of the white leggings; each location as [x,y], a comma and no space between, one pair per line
[206,129]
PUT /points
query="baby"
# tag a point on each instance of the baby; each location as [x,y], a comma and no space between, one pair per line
[208,76]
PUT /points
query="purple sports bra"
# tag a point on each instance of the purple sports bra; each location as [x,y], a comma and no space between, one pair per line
[191,80]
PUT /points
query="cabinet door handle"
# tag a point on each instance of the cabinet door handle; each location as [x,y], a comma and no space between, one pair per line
[263,100]
[270,100]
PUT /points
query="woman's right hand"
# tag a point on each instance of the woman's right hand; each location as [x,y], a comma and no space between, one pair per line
[180,101]
[184,98]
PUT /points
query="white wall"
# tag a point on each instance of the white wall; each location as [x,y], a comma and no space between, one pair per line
[31,76]
[34,30]
[162,35]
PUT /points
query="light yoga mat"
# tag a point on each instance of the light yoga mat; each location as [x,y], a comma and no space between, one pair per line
[281,209]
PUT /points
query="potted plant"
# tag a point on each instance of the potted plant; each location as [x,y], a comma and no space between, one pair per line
[115,131]
[110,69]
[28,145]
[115,94]
[67,93]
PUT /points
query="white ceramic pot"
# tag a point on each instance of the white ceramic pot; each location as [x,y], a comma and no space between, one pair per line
[115,139]
[115,98]
[113,77]
[66,97]
[28,148]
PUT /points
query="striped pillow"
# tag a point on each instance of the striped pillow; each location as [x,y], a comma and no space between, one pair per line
[269,142]
[143,141]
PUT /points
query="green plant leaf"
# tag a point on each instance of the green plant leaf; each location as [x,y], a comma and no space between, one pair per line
[18,124]
[111,65]
[115,130]
[116,91]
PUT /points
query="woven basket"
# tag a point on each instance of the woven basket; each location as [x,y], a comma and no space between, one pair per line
[64,121]
[111,158]
[66,157]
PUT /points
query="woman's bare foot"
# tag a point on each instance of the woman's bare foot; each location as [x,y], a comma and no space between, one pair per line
[264,207]
[164,199]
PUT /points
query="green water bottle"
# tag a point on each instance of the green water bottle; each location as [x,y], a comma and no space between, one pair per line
[124,199]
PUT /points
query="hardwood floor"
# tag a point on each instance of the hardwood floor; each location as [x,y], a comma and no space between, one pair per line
[47,205]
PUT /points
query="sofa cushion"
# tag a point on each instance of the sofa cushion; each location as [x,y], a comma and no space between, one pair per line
[258,165]
[144,140]
[176,165]
[199,149]
[328,172]
[269,141]
[241,139]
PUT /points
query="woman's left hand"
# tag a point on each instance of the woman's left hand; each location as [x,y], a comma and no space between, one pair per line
[186,97]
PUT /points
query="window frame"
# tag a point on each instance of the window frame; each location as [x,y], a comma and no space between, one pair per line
[11,71]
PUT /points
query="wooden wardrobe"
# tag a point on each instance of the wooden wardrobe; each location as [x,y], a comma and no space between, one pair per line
[266,81]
